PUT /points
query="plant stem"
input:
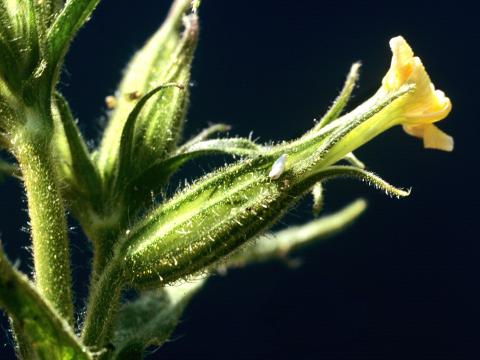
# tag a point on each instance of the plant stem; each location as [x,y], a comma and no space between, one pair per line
[102,305]
[103,245]
[47,217]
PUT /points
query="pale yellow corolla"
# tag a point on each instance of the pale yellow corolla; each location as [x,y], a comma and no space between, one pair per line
[418,110]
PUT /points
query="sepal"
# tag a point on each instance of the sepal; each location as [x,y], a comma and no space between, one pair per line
[340,171]
[342,99]
[205,134]
[127,167]
[154,179]
[352,159]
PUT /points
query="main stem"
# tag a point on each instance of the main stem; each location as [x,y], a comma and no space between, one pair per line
[47,218]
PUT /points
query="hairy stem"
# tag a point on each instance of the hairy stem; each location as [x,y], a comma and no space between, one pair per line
[102,306]
[47,218]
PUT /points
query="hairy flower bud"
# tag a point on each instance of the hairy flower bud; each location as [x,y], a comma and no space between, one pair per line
[165,58]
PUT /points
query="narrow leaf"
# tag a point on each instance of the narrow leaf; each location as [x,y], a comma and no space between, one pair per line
[84,174]
[151,319]
[204,135]
[49,336]
[72,17]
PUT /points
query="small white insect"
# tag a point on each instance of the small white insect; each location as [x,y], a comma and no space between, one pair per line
[278,167]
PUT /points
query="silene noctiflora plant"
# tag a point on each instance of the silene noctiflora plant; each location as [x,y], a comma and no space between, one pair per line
[165,252]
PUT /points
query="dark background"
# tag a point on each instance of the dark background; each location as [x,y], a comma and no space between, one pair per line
[402,283]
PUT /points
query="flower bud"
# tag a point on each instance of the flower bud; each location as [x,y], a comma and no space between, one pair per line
[165,58]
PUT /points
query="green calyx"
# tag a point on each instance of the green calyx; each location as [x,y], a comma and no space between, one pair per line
[219,213]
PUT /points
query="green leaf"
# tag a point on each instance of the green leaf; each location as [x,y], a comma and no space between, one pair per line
[151,319]
[342,100]
[78,168]
[277,245]
[165,58]
[49,336]
[67,23]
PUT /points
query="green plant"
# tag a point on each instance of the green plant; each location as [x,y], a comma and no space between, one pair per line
[217,222]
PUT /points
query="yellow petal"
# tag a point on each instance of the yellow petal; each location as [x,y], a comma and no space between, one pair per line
[414,130]
[433,137]
[401,66]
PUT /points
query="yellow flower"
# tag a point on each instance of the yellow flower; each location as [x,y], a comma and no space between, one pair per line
[406,97]
[418,110]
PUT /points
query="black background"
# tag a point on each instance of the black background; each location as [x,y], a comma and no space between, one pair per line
[402,283]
